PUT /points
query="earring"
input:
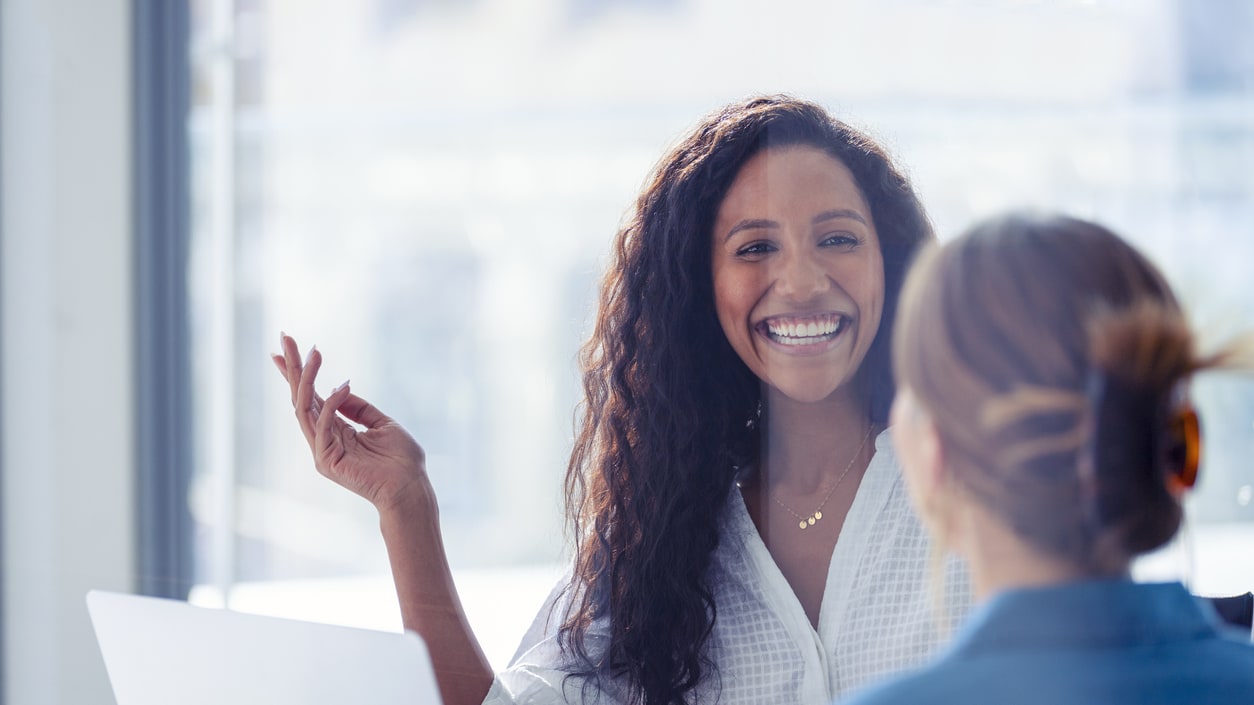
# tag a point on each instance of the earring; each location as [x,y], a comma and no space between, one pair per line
[752,423]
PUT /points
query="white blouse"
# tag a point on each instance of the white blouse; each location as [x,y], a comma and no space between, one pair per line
[882,612]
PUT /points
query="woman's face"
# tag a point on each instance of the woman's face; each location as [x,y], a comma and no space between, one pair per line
[798,274]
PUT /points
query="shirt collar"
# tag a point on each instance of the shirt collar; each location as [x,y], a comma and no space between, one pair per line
[1088,614]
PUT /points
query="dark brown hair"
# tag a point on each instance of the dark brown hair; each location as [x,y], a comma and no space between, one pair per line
[1050,354]
[667,399]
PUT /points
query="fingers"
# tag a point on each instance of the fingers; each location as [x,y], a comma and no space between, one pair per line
[317,416]
[354,408]
[291,360]
[358,410]
[327,433]
[304,404]
[280,363]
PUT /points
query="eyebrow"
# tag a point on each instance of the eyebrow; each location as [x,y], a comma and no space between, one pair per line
[761,223]
[839,213]
[754,224]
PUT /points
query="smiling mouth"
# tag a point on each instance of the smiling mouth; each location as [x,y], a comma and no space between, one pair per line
[803,330]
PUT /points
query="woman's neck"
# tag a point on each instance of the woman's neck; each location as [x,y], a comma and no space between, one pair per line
[999,560]
[804,444]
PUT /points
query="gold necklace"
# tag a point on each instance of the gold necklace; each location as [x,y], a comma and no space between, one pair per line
[808,521]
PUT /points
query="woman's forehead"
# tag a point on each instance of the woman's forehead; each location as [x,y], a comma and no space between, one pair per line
[786,181]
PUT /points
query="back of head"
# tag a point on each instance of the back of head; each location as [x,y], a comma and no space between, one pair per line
[1050,355]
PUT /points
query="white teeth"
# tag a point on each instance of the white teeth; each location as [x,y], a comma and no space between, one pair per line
[805,333]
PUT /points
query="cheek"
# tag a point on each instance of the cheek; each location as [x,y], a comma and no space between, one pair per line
[875,287]
[731,314]
[733,299]
[867,292]
[863,279]
[724,302]
[871,305]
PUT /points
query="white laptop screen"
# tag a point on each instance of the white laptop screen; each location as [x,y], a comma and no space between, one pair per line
[159,652]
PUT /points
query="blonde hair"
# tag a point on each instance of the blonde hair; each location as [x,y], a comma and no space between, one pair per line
[1051,356]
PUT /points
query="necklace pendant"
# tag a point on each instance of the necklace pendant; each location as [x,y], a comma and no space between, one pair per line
[806,522]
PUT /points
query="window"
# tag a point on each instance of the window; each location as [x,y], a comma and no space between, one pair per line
[427,190]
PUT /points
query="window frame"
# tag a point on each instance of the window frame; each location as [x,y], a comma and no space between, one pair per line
[161,73]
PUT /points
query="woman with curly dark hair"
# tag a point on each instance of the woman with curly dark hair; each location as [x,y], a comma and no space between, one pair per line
[741,530]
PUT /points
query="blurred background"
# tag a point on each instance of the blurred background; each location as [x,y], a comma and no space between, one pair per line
[426,189]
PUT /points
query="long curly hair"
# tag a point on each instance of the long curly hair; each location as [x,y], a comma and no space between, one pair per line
[667,401]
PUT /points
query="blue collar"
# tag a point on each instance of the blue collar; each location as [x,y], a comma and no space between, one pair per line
[1085,614]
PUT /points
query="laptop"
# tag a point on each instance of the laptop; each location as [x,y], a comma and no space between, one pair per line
[160,651]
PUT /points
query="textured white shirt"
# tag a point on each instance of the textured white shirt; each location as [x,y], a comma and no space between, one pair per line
[878,616]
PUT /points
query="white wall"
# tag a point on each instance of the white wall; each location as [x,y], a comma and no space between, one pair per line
[65,182]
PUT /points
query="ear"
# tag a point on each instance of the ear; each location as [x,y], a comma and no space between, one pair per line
[932,476]
[920,452]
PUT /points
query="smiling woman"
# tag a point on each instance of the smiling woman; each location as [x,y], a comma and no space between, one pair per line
[426,189]
[699,425]
[798,275]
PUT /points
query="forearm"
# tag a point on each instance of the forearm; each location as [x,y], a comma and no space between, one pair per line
[430,605]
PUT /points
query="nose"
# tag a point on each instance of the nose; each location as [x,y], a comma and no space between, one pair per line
[800,277]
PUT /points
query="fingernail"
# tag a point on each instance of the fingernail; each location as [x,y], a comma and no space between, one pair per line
[309,355]
[342,386]
[282,337]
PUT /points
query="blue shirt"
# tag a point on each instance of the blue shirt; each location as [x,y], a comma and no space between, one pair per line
[1101,642]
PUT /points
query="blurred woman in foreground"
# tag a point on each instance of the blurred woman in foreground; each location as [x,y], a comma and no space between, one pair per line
[1045,431]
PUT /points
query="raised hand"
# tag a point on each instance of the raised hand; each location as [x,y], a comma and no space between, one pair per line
[381,462]
[384,464]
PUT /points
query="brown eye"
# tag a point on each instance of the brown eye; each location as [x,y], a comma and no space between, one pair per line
[847,241]
[755,248]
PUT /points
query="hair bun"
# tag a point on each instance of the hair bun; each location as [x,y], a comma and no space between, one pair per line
[1140,430]
[1147,345]
[1145,443]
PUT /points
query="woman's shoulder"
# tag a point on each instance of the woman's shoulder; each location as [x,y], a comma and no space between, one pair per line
[882,489]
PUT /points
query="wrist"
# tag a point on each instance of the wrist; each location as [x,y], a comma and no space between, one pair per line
[409,508]
[414,496]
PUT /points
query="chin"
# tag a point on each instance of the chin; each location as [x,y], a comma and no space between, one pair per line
[807,392]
